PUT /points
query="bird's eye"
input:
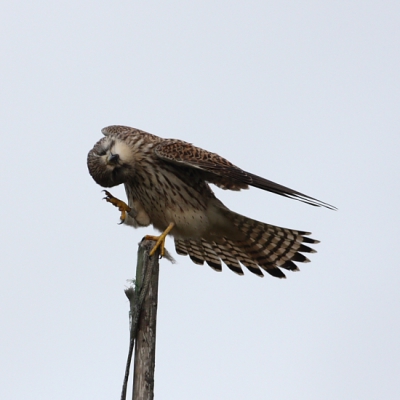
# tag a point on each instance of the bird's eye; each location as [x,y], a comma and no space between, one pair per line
[102,152]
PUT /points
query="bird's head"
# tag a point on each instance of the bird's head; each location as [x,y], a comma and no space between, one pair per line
[110,162]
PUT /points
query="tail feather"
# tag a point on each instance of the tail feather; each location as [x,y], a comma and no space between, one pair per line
[262,247]
[211,257]
[227,256]
[290,266]
[199,251]
[196,253]
[244,259]
[180,247]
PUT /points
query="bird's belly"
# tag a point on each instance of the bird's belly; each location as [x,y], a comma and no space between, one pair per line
[189,223]
[194,223]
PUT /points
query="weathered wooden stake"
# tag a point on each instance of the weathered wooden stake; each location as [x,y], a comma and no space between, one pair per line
[143,310]
[145,349]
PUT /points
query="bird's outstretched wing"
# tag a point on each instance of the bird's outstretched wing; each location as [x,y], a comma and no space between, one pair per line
[223,173]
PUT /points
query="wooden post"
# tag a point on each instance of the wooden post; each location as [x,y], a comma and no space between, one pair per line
[145,349]
[143,311]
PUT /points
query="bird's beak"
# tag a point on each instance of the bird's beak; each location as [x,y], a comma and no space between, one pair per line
[112,159]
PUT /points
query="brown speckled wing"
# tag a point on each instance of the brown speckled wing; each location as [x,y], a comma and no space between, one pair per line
[216,169]
[223,173]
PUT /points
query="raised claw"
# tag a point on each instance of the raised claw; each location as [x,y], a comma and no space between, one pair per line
[122,206]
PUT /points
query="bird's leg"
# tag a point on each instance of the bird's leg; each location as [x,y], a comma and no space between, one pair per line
[160,240]
[123,207]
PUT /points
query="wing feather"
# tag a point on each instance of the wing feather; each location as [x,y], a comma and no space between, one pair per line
[223,173]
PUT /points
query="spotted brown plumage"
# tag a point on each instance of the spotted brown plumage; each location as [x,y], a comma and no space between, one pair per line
[167,185]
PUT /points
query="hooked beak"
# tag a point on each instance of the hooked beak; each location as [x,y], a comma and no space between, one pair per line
[113,159]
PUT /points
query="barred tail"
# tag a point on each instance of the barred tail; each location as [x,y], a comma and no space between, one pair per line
[263,247]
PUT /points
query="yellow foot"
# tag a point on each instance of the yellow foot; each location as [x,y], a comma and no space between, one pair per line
[123,207]
[160,240]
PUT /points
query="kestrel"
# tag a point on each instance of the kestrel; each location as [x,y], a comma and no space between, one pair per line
[167,185]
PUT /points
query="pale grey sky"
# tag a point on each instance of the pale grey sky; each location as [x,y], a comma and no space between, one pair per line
[302,93]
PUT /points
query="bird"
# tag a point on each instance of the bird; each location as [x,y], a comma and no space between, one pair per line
[167,183]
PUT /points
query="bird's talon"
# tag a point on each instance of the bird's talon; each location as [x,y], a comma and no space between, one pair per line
[122,206]
[160,241]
